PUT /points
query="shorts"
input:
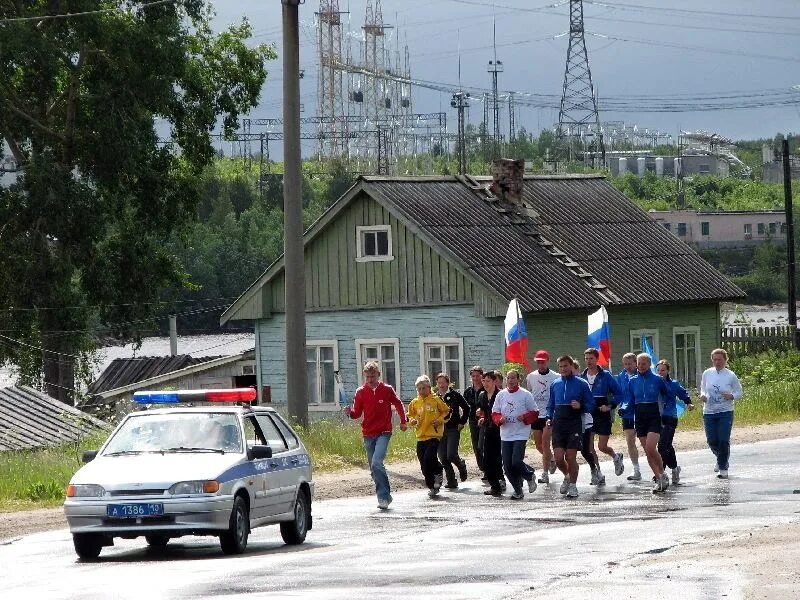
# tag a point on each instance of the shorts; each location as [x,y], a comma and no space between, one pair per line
[628,424]
[539,424]
[602,423]
[568,435]
[648,419]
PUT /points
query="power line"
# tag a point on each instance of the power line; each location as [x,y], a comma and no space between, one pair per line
[639,7]
[87,13]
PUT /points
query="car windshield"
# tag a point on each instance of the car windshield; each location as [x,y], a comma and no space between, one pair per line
[177,432]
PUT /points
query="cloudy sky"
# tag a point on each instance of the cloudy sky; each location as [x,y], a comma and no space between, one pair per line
[640,52]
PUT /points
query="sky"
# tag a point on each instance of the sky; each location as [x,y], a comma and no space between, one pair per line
[637,49]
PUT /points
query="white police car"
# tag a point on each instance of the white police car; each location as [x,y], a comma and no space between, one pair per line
[218,469]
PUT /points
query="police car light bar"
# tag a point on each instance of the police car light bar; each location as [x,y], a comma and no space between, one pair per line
[178,396]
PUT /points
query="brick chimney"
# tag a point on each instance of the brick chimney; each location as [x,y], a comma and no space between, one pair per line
[507,184]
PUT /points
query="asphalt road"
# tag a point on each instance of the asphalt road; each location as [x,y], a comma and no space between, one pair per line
[462,545]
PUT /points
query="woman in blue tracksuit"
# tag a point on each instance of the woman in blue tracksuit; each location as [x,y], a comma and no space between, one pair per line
[669,419]
[646,389]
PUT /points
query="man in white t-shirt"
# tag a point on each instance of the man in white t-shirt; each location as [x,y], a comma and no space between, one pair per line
[514,411]
[538,383]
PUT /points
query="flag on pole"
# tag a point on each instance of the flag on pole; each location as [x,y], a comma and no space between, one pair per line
[516,335]
[599,336]
[648,349]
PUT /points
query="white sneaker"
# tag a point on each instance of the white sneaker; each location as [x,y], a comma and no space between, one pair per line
[723,474]
[676,475]
[619,466]
[532,484]
[545,478]
[595,477]
[572,492]
[552,467]
[664,482]
[383,504]
[564,486]
[433,493]
[437,483]
[635,476]
[601,479]
[657,487]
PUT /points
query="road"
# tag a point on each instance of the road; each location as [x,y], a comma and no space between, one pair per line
[462,545]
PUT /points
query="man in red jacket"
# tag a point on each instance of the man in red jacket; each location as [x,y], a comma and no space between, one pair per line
[374,400]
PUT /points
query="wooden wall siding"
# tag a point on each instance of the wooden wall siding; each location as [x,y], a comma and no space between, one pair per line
[483,341]
[334,280]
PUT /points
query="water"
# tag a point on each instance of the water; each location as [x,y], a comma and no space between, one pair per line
[757,316]
[196,345]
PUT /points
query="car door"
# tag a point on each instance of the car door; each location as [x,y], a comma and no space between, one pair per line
[278,491]
[299,462]
[260,503]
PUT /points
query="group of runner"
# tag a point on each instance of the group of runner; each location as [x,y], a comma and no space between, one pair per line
[568,411]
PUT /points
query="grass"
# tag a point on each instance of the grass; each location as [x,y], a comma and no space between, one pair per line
[37,478]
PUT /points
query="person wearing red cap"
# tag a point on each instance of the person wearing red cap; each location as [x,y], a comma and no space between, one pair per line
[538,383]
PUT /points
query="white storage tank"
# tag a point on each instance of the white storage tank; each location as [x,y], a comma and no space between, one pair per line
[623,166]
[660,166]
[640,165]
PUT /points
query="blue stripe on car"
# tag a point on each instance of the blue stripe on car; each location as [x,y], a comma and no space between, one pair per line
[258,467]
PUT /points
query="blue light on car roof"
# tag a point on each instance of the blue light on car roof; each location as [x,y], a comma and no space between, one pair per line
[155,397]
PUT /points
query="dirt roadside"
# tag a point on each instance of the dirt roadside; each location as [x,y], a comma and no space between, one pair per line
[403,475]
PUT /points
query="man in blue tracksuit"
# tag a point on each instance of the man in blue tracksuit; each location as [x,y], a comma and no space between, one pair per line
[626,414]
[646,388]
[606,394]
[669,419]
[570,398]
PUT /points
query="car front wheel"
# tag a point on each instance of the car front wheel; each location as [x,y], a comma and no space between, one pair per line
[294,532]
[234,541]
[87,545]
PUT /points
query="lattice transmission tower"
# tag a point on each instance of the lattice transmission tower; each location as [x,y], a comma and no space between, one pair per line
[377,105]
[333,127]
[578,120]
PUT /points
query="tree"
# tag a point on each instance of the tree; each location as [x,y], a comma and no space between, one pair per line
[84,231]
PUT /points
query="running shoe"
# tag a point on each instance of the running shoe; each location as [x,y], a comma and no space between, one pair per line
[517,496]
[564,486]
[676,475]
[572,492]
[552,467]
[545,478]
[635,476]
[437,482]
[595,477]
[383,503]
[664,482]
[503,486]
[532,484]
[601,479]
[493,492]
[462,470]
[619,466]
[723,474]
[451,485]
[433,492]
[657,486]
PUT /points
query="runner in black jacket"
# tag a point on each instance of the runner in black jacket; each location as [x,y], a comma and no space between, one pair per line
[471,397]
[492,457]
[448,445]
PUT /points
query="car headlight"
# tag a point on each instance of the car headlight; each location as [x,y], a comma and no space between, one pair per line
[185,488]
[85,491]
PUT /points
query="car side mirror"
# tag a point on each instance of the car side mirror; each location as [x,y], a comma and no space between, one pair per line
[259,452]
[89,456]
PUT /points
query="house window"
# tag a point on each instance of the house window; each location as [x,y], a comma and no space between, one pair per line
[704,228]
[761,229]
[667,226]
[321,363]
[651,335]
[386,353]
[443,355]
[682,229]
[686,368]
[773,228]
[748,229]
[374,243]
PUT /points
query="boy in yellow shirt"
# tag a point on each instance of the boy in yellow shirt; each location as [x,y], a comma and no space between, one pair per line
[428,413]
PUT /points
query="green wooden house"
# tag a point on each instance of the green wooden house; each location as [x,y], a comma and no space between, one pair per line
[417,273]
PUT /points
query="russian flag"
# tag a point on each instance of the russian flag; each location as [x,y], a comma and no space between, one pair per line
[516,335]
[599,336]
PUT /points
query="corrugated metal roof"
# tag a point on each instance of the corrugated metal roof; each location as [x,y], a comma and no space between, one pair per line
[31,419]
[124,371]
[633,259]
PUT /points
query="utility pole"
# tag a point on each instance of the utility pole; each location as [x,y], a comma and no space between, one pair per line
[294,267]
[787,195]
[495,67]
[460,102]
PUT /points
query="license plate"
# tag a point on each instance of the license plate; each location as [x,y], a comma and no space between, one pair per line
[135,510]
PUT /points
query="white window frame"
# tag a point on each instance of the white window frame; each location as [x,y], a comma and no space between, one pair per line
[362,229]
[698,353]
[640,333]
[431,341]
[379,342]
[335,345]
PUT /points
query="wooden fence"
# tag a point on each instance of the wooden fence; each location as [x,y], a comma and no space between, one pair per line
[750,340]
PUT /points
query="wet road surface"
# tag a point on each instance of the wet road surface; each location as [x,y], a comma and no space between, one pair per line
[461,545]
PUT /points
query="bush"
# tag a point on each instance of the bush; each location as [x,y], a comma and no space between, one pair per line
[767,368]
